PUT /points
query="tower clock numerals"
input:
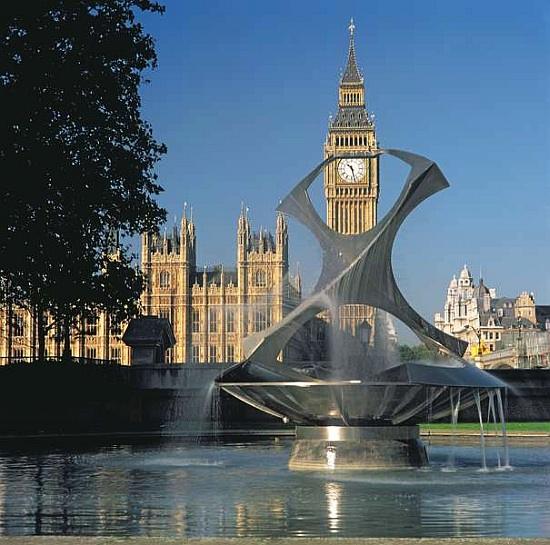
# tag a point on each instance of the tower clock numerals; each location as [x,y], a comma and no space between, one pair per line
[352,170]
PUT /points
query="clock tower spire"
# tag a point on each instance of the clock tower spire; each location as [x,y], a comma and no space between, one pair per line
[351,185]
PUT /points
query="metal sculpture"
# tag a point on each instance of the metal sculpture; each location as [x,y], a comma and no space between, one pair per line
[357,269]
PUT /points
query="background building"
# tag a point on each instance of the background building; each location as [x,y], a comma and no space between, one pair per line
[500,330]
[212,309]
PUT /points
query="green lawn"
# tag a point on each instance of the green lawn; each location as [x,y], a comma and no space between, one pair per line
[525,427]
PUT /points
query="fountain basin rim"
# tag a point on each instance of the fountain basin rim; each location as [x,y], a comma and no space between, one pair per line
[404,374]
[299,383]
[328,383]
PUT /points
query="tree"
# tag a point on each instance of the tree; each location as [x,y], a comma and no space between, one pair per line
[419,352]
[76,157]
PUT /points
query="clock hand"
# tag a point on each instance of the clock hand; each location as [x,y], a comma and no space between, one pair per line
[352,172]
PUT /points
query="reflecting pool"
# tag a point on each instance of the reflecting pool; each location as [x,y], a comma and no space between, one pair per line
[197,489]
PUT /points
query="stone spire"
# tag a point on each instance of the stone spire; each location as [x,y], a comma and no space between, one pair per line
[351,93]
[243,234]
[352,74]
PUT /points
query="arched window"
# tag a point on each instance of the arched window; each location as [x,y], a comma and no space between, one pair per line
[19,326]
[91,353]
[195,353]
[212,353]
[195,321]
[230,320]
[260,320]
[116,354]
[164,280]
[91,325]
[213,320]
[18,354]
[260,279]
[116,328]
[230,353]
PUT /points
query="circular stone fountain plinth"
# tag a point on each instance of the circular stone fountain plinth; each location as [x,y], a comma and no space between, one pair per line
[354,447]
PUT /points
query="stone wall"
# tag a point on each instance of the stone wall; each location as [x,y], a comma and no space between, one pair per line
[76,398]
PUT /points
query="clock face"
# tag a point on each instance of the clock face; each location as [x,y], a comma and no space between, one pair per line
[352,170]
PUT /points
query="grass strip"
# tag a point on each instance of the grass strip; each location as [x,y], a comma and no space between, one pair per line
[519,427]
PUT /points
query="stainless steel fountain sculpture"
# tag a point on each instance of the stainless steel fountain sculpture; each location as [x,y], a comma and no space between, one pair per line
[360,415]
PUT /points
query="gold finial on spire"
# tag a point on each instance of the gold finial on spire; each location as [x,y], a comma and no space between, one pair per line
[351,73]
[351,27]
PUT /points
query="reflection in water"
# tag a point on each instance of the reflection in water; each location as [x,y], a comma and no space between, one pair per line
[331,457]
[2,496]
[334,495]
[191,490]
[465,514]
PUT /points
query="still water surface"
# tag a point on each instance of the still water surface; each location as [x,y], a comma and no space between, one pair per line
[192,489]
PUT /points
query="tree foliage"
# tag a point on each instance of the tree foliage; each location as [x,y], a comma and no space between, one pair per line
[76,157]
[419,352]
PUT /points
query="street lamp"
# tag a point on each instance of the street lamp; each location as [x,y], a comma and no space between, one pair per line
[478,335]
[522,357]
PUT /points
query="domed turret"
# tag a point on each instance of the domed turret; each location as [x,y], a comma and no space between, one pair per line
[465,278]
[481,290]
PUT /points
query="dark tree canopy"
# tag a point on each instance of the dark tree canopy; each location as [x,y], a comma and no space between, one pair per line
[418,352]
[76,157]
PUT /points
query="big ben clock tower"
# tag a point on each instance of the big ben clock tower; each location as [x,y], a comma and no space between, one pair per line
[351,185]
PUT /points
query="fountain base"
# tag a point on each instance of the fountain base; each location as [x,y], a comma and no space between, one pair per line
[322,448]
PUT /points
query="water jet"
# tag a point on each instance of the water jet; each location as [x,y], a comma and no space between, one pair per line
[361,414]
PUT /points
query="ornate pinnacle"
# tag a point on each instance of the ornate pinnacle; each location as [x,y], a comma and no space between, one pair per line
[351,73]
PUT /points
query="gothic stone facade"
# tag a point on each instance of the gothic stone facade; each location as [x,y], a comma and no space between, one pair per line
[213,309]
[97,338]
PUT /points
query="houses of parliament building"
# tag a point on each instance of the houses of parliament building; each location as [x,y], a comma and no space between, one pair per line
[212,309]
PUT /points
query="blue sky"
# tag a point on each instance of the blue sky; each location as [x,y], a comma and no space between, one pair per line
[243,93]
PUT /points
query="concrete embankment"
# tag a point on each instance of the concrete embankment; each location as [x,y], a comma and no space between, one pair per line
[74,398]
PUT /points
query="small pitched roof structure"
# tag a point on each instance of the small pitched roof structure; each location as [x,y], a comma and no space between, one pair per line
[149,329]
[149,337]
